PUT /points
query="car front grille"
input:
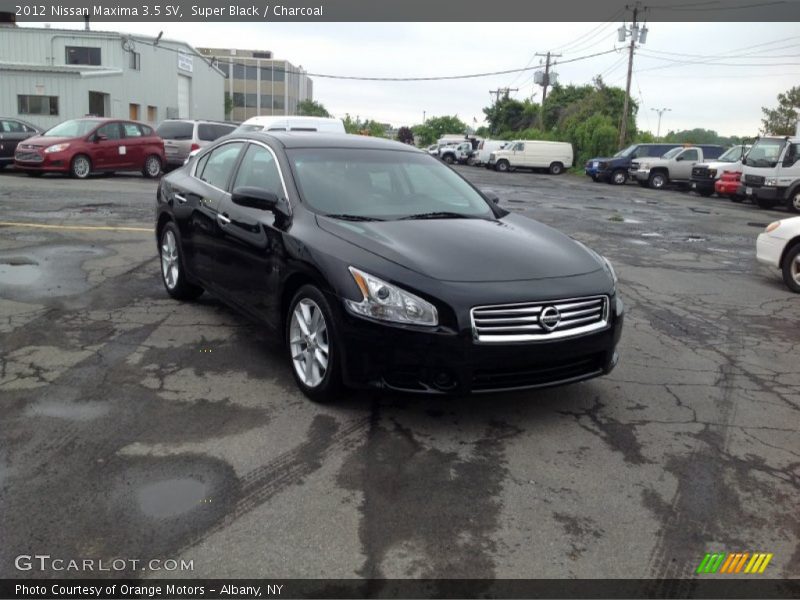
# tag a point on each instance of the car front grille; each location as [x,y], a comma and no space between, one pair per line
[634,166]
[29,156]
[540,375]
[701,173]
[539,321]
[754,179]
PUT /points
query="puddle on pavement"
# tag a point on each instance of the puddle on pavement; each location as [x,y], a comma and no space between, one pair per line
[171,497]
[42,272]
[76,411]
[19,270]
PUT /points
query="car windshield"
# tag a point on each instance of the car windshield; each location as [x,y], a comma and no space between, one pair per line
[765,153]
[176,130]
[74,128]
[731,155]
[626,152]
[361,184]
[672,153]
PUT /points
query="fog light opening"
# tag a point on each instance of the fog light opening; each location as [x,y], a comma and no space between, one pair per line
[444,381]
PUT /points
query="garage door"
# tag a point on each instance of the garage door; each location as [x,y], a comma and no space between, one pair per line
[184,96]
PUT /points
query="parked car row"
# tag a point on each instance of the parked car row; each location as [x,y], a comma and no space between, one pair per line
[80,147]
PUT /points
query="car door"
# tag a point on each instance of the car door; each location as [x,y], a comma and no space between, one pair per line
[252,246]
[11,134]
[198,197]
[104,147]
[684,163]
[131,149]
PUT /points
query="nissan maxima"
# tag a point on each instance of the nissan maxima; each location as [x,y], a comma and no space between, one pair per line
[376,265]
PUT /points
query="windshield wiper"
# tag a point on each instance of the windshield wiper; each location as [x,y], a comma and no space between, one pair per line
[353,217]
[438,215]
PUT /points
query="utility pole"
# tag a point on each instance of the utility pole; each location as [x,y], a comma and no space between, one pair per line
[546,79]
[636,35]
[660,112]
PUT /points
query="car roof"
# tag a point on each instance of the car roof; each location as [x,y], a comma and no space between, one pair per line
[309,139]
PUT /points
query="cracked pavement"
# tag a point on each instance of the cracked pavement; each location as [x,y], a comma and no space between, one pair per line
[136,426]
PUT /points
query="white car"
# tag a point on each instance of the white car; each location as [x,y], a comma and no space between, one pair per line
[779,247]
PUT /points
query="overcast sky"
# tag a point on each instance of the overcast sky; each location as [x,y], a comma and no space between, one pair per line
[724,97]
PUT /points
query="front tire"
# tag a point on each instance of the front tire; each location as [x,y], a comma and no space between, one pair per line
[312,345]
[502,166]
[448,158]
[794,202]
[152,167]
[173,273]
[80,167]
[658,181]
[791,269]
[619,177]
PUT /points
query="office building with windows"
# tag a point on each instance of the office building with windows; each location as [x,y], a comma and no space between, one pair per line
[259,84]
[51,75]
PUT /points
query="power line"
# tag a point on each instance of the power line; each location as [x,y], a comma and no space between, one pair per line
[688,7]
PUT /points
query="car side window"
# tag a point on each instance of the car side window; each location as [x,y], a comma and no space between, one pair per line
[258,169]
[690,155]
[131,130]
[206,133]
[219,165]
[11,127]
[111,131]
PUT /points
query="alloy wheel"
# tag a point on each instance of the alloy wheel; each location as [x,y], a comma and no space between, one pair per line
[308,342]
[619,177]
[152,166]
[81,167]
[170,266]
[795,204]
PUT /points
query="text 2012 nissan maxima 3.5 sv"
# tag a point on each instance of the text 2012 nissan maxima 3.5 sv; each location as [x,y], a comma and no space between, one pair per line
[379,266]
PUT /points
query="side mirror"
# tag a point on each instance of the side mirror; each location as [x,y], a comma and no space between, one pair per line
[681,157]
[99,137]
[253,197]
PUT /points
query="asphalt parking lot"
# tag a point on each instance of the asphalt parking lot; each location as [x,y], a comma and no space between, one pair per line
[138,427]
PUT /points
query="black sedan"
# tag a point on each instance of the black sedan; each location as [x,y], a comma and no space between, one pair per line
[380,266]
[12,132]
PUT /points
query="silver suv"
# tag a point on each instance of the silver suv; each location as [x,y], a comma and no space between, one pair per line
[182,136]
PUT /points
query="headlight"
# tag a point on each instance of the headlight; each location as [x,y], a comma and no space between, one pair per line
[611,270]
[56,148]
[644,166]
[384,301]
[772,226]
[771,181]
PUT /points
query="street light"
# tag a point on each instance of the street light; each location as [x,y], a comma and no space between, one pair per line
[660,112]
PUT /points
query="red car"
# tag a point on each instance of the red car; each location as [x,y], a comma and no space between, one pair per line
[728,184]
[83,146]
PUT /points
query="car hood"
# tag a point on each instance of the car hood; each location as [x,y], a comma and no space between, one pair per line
[605,159]
[43,142]
[470,250]
[717,164]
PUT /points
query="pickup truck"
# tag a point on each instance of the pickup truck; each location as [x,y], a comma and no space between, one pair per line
[614,169]
[771,172]
[675,166]
[705,175]
[456,153]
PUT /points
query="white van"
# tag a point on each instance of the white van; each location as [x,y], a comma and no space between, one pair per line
[284,123]
[532,154]
[485,148]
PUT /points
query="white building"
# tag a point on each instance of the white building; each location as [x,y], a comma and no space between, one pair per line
[51,75]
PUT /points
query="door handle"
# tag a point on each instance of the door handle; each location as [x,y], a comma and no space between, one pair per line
[180,198]
[224,220]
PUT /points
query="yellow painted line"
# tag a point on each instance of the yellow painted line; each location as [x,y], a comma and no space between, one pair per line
[764,564]
[755,563]
[76,227]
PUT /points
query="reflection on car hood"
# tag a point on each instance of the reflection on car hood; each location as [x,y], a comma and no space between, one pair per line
[509,249]
[42,141]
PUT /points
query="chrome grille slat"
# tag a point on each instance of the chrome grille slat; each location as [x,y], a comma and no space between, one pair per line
[513,323]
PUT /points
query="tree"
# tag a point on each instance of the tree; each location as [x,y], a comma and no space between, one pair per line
[509,114]
[367,127]
[435,127]
[782,120]
[228,105]
[309,108]
[405,135]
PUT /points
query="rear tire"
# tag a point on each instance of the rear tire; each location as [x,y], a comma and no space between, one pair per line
[791,268]
[152,167]
[556,168]
[312,345]
[173,272]
[619,177]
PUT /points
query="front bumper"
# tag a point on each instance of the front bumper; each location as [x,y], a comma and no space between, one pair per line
[446,362]
[769,249]
[39,161]
[639,174]
[702,185]
[764,192]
